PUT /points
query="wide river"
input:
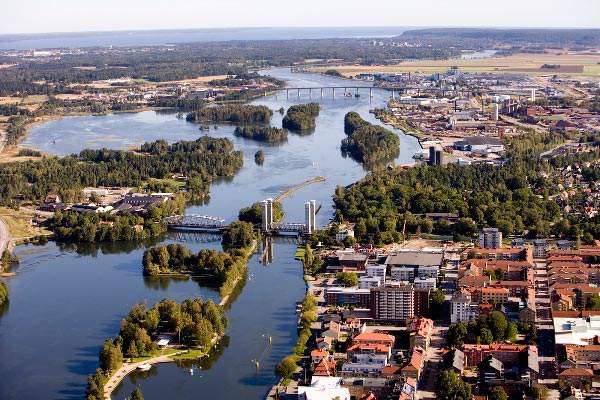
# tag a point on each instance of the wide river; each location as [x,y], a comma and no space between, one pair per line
[66,300]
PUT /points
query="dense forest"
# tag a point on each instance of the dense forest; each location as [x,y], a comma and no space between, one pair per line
[301,117]
[178,259]
[235,114]
[515,197]
[385,203]
[547,37]
[368,143]
[194,322]
[184,61]
[201,160]
[262,134]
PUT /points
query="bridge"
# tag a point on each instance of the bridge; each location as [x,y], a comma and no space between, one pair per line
[216,225]
[196,223]
[347,91]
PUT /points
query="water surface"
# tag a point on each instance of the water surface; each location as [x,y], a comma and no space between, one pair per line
[64,303]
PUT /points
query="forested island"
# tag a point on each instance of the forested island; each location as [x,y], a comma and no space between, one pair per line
[267,134]
[223,269]
[368,143]
[201,160]
[194,324]
[259,157]
[301,117]
[233,113]
[217,267]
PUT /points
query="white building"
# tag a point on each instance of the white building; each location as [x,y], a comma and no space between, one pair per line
[403,273]
[376,271]
[324,388]
[368,282]
[579,331]
[462,308]
[425,283]
[344,233]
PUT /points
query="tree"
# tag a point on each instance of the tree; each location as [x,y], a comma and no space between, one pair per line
[203,333]
[286,367]
[238,234]
[111,357]
[136,394]
[497,324]
[511,332]
[437,302]
[3,293]
[592,303]
[452,387]
[348,279]
[486,336]
[497,393]
[456,334]
[132,350]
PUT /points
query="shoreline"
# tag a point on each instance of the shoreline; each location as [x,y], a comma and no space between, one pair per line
[12,150]
[115,379]
[123,372]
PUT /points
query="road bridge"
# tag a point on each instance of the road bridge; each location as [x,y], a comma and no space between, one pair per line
[196,223]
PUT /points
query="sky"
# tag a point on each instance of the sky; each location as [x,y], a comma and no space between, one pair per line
[39,16]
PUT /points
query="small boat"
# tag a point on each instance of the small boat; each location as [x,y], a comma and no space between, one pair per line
[357,95]
[144,367]
[191,371]
[204,128]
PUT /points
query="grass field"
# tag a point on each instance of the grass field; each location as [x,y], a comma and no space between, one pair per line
[19,223]
[525,63]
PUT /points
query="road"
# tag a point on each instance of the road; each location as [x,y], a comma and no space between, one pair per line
[428,383]
[543,322]
[4,236]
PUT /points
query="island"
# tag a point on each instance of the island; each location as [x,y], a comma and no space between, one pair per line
[165,332]
[259,157]
[301,117]
[262,133]
[234,114]
[367,143]
[222,269]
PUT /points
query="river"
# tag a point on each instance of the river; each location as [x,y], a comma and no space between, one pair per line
[65,302]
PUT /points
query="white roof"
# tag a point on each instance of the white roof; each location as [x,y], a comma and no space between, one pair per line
[325,382]
[311,393]
[576,330]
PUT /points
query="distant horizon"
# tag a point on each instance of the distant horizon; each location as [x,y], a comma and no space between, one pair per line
[76,16]
[307,27]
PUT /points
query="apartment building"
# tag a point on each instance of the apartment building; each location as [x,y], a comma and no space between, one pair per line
[462,307]
[395,303]
[490,238]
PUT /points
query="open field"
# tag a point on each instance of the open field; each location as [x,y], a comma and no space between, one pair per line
[570,64]
[19,223]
